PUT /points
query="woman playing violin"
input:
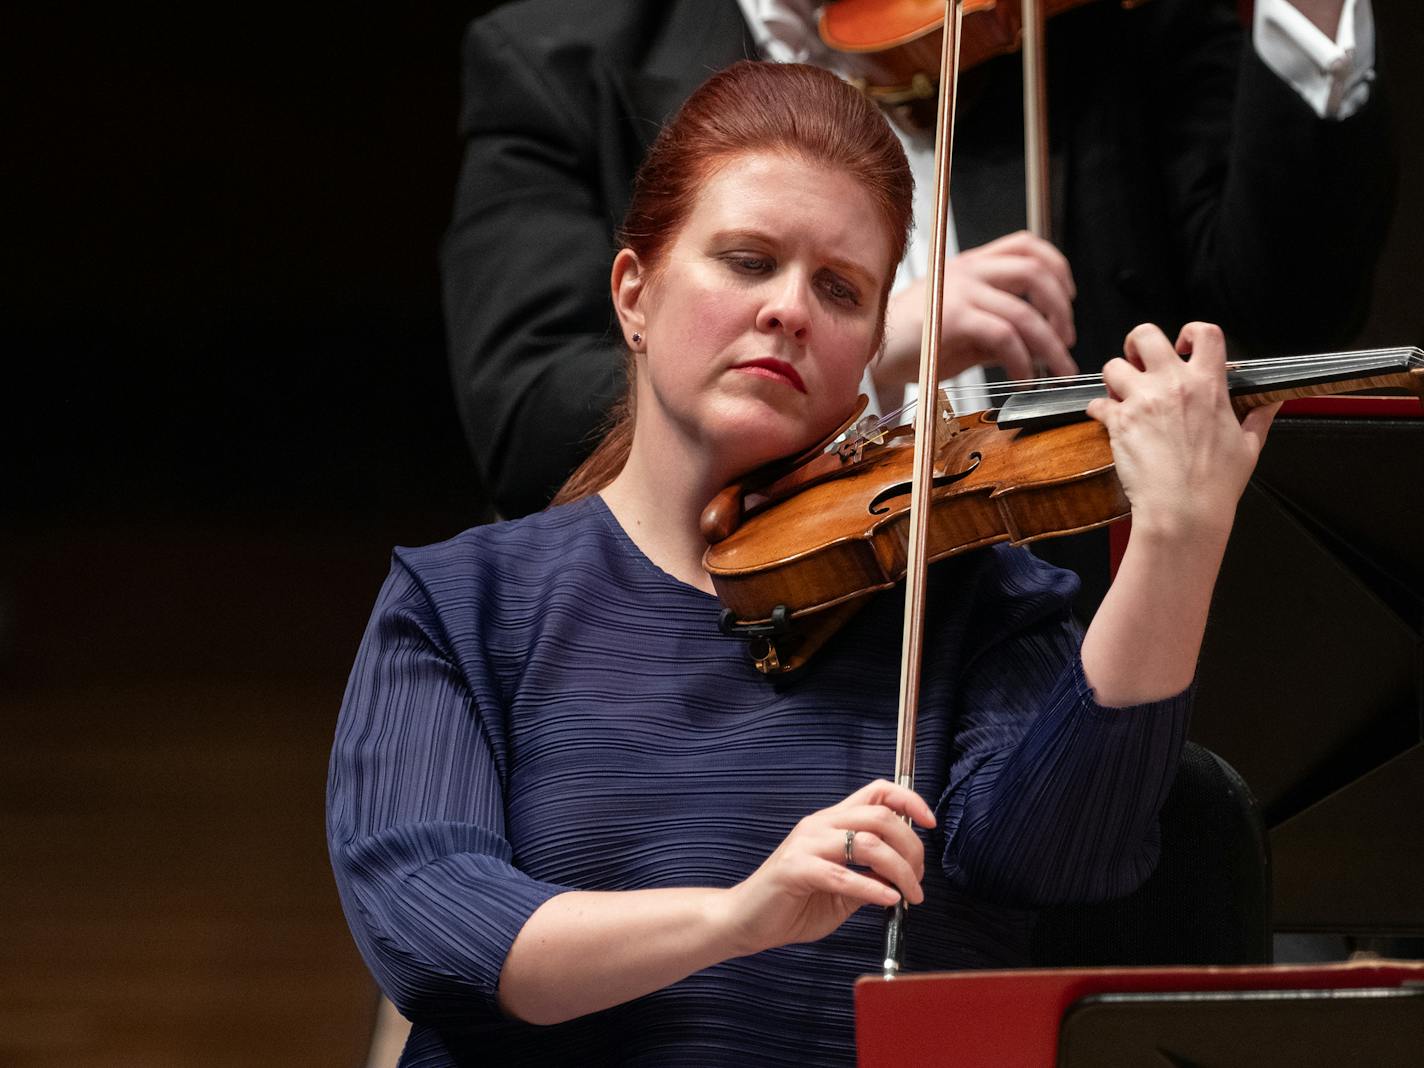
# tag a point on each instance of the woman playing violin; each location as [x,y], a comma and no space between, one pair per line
[570,822]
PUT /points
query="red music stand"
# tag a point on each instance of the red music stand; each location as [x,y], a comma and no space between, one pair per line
[1011,1019]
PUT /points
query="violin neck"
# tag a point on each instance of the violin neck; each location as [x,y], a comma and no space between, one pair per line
[1258,383]
[1252,384]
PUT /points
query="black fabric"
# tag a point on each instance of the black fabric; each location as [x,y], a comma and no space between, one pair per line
[1191,184]
[561,100]
[1208,902]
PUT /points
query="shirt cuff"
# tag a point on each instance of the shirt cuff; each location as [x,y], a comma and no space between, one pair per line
[1332,76]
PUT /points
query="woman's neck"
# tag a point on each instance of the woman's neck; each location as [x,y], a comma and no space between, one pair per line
[658,499]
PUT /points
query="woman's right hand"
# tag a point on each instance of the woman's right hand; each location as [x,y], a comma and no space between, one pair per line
[805,889]
[583,951]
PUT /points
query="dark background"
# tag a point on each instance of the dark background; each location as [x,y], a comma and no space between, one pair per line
[221,281]
[224,399]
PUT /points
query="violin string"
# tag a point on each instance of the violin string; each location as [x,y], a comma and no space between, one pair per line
[1047,385]
[1051,385]
[1063,383]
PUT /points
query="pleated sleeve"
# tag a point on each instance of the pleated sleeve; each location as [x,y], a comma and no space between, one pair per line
[416,819]
[1051,797]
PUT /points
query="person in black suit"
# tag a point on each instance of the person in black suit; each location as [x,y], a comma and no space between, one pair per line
[1190,182]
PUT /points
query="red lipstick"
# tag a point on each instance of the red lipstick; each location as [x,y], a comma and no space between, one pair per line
[770,368]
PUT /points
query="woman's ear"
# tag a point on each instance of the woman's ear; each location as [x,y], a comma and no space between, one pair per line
[629,283]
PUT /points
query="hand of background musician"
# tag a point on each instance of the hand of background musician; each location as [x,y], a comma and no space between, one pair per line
[805,889]
[1009,302]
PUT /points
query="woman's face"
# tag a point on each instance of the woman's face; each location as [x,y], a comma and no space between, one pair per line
[760,321]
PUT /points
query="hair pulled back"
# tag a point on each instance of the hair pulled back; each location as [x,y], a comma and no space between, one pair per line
[798,110]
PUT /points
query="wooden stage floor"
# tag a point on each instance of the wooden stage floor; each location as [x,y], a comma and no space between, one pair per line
[169,696]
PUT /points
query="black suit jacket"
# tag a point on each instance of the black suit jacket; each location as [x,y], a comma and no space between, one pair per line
[1189,183]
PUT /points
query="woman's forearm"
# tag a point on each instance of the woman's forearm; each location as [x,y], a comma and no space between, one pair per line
[1144,641]
[582,951]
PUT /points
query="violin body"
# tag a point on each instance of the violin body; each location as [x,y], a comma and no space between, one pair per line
[793,555]
[904,36]
[846,537]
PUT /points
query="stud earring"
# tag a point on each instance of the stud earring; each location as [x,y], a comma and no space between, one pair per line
[637,339]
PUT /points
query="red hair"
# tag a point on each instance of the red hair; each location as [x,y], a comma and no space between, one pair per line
[788,108]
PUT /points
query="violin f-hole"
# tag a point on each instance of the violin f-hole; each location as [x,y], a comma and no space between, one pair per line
[878,505]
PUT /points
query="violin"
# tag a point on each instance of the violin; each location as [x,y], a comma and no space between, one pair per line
[901,39]
[796,548]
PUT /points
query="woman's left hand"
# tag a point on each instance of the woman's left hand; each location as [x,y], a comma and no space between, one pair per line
[1183,458]
[1181,454]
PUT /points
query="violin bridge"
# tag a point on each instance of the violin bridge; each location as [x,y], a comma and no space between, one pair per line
[946,423]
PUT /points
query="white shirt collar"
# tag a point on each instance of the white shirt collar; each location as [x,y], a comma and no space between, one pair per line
[785,30]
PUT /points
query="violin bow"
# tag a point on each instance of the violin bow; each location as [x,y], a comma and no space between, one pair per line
[1035,105]
[922,484]
[927,415]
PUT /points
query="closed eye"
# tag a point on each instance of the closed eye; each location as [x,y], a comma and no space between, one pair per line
[838,289]
[745,263]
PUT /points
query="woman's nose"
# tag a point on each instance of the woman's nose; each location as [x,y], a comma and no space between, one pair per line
[787,309]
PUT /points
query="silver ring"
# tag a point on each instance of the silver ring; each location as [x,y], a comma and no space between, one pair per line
[850,848]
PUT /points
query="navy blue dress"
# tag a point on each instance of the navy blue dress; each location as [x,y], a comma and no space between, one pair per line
[537,707]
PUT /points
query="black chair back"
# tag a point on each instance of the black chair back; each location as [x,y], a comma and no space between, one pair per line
[1209,900]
